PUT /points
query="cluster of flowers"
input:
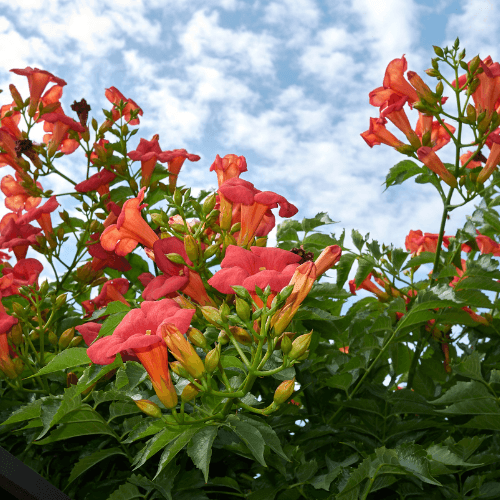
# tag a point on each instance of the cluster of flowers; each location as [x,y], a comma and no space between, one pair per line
[431,135]
[237,219]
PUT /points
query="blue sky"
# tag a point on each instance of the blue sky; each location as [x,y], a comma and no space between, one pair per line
[284,83]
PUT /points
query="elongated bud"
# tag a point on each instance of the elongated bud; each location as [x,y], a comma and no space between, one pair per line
[34,335]
[75,341]
[192,248]
[304,356]
[189,392]
[286,344]
[212,315]
[209,203]
[178,228]
[229,240]
[18,365]
[44,288]
[471,113]
[261,242]
[176,258]
[210,252]
[223,338]
[235,227]
[474,64]
[16,334]
[52,337]
[71,379]
[178,369]
[438,51]
[439,88]
[66,337]
[243,309]
[224,311]
[196,337]
[300,345]
[473,87]
[19,310]
[182,350]
[16,96]
[61,300]
[212,359]
[241,335]
[148,407]
[284,391]
[178,197]
[133,184]
[157,218]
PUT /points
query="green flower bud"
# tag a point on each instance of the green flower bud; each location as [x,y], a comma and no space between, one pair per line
[210,252]
[241,335]
[133,184]
[16,96]
[261,242]
[224,312]
[209,203]
[212,359]
[300,346]
[66,337]
[44,288]
[176,258]
[286,344]
[178,369]
[242,309]
[438,51]
[223,338]
[189,392]
[284,391]
[148,407]
[16,334]
[52,338]
[235,227]
[304,356]
[474,64]
[196,337]
[61,300]
[192,248]
[212,315]
[157,219]
[75,341]
[178,197]
[471,113]
[18,365]
[34,335]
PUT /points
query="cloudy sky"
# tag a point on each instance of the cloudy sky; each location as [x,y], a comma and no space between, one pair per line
[284,83]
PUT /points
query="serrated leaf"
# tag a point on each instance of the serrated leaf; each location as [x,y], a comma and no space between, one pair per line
[87,462]
[401,172]
[69,358]
[200,448]
[249,434]
[31,410]
[126,491]
[343,268]
[357,239]
[365,267]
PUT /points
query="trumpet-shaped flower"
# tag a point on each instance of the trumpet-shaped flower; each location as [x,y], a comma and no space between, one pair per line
[16,197]
[229,167]
[493,142]
[113,290]
[25,272]
[17,237]
[114,96]
[439,135]
[393,109]
[416,242]
[255,267]
[129,230]
[432,161]
[59,139]
[378,134]
[98,182]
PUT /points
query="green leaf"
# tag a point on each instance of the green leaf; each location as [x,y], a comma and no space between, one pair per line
[155,444]
[470,367]
[401,172]
[126,491]
[320,219]
[249,434]
[31,410]
[418,260]
[268,434]
[340,381]
[365,266]
[175,446]
[82,422]
[287,230]
[87,462]
[401,358]
[490,422]
[200,448]
[357,239]
[324,481]
[463,391]
[69,358]
[413,458]
[343,268]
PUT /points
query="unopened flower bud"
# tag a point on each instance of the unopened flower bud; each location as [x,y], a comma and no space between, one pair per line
[133,184]
[439,88]
[192,248]
[60,233]
[304,356]
[243,309]
[178,369]
[212,359]
[432,72]
[34,335]
[224,312]
[75,341]
[71,379]
[66,337]
[438,51]
[471,113]
[241,335]
[16,96]
[210,252]
[61,300]
[189,392]
[176,258]
[52,337]
[474,64]
[212,315]
[209,203]
[223,338]
[18,309]
[178,197]
[229,239]
[235,227]
[300,345]
[157,218]
[44,288]
[18,365]
[261,242]
[284,391]
[148,407]
[178,228]
[196,337]
[473,87]
[286,344]
[16,334]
